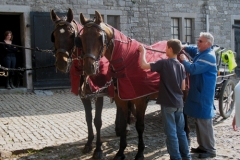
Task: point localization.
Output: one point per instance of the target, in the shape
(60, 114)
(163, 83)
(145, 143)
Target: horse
(68, 58)
(99, 39)
(65, 31)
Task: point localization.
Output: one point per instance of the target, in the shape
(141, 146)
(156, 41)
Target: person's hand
(183, 46)
(141, 48)
(235, 128)
(183, 57)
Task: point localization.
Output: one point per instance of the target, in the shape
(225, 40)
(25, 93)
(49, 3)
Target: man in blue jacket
(200, 100)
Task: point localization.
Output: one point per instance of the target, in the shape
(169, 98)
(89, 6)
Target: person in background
(170, 97)
(236, 118)
(235, 128)
(200, 101)
(8, 53)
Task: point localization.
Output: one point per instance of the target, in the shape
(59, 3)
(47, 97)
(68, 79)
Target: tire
(226, 98)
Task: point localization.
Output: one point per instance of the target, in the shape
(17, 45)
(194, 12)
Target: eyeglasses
(200, 41)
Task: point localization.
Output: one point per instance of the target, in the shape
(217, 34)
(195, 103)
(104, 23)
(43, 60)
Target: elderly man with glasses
(200, 100)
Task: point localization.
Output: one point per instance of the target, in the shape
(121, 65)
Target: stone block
(5, 154)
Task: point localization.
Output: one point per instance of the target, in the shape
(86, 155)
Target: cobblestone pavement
(34, 121)
(51, 118)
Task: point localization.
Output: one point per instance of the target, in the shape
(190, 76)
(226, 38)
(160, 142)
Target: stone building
(147, 21)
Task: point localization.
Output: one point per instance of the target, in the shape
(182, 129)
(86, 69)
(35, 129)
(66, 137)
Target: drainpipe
(207, 23)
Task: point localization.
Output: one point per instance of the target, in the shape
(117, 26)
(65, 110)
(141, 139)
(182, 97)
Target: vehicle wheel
(226, 98)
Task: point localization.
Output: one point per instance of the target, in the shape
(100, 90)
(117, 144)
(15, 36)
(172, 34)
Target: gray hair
(209, 37)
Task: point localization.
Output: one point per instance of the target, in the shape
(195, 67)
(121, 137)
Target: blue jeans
(177, 143)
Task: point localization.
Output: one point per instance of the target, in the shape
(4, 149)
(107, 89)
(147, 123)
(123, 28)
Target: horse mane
(63, 18)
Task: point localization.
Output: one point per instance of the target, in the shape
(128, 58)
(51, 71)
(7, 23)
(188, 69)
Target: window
(175, 28)
(109, 16)
(188, 30)
(111, 20)
(182, 26)
(114, 21)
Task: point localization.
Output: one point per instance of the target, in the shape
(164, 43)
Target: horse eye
(100, 37)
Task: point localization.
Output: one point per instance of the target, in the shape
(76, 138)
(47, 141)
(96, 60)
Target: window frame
(186, 27)
(174, 26)
(182, 29)
(106, 13)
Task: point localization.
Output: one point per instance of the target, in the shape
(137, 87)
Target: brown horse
(68, 57)
(98, 39)
(66, 29)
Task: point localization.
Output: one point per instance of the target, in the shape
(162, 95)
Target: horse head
(63, 35)
(96, 40)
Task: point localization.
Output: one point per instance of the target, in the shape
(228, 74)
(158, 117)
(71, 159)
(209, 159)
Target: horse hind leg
(131, 116)
(98, 153)
(186, 127)
(129, 120)
(88, 114)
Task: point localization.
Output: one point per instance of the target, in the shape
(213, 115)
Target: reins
(181, 52)
(154, 50)
(34, 49)
(5, 70)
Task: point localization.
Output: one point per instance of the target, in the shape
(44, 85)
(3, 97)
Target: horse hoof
(118, 134)
(119, 157)
(97, 155)
(139, 158)
(87, 149)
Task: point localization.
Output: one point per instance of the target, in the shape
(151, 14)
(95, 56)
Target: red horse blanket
(134, 82)
(95, 82)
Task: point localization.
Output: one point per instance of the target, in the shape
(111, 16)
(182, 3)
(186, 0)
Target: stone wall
(148, 21)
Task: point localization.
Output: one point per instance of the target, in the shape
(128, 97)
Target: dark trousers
(9, 61)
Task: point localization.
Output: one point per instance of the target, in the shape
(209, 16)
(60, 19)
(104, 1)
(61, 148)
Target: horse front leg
(141, 105)
(98, 153)
(88, 114)
(122, 107)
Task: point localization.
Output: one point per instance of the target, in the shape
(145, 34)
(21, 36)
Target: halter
(105, 41)
(69, 55)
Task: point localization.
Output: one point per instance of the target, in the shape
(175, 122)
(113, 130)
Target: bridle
(105, 41)
(61, 23)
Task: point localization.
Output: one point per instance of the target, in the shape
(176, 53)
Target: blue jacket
(203, 74)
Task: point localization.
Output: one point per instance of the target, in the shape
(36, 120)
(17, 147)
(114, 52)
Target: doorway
(12, 23)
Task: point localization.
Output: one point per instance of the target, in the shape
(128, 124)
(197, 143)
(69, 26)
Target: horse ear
(69, 15)
(54, 16)
(98, 17)
(82, 19)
